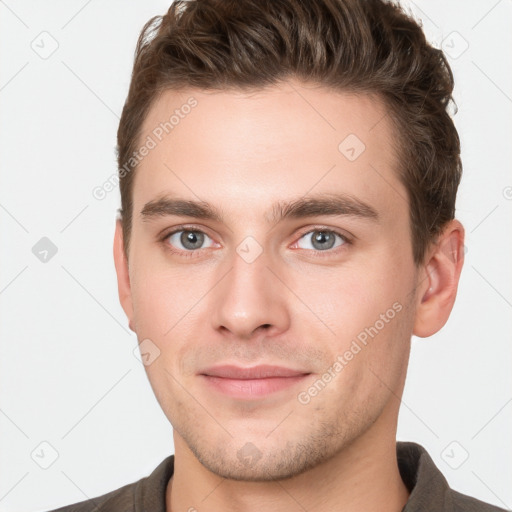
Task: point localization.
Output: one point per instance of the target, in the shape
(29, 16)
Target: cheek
(168, 304)
(162, 295)
(346, 299)
(363, 305)
(154, 304)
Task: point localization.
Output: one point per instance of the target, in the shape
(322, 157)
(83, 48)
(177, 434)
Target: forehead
(283, 141)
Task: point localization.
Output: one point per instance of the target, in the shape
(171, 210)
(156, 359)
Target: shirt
(429, 490)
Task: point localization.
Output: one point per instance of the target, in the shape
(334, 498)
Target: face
(278, 316)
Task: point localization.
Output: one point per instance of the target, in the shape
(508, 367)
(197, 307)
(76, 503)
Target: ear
(438, 280)
(123, 275)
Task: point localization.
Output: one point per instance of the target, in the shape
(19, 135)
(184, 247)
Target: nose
(250, 300)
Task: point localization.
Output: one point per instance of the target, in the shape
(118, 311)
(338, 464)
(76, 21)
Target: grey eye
(189, 240)
(322, 239)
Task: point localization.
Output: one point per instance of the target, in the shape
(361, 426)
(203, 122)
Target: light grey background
(68, 374)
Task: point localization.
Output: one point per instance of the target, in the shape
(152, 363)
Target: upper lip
(255, 372)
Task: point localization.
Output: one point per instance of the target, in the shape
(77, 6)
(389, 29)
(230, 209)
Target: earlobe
(439, 280)
(123, 275)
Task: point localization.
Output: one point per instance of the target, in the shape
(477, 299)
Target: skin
(295, 305)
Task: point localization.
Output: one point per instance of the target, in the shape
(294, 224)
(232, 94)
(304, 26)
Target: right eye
(186, 240)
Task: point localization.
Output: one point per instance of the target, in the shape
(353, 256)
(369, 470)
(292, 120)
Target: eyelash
(192, 253)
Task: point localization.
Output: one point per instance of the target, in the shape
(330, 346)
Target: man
(288, 175)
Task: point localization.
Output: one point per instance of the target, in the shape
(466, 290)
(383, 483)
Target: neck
(363, 476)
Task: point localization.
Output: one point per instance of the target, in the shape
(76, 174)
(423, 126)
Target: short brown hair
(362, 46)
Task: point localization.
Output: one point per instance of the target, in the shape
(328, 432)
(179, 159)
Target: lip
(250, 383)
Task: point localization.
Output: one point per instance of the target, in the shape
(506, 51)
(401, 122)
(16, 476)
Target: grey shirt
(428, 487)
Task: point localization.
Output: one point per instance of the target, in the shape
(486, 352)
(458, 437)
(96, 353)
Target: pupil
(322, 237)
(191, 239)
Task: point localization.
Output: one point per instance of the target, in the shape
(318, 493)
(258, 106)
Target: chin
(249, 463)
(262, 468)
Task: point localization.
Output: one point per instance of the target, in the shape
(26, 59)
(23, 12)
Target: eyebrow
(319, 205)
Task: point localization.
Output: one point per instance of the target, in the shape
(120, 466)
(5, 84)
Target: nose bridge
(250, 296)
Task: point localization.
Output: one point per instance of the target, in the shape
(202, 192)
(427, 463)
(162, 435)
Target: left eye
(322, 239)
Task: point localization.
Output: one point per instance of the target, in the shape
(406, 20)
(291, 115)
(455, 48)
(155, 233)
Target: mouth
(251, 383)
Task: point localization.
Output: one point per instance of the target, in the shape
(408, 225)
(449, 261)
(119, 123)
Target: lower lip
(245, 389)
